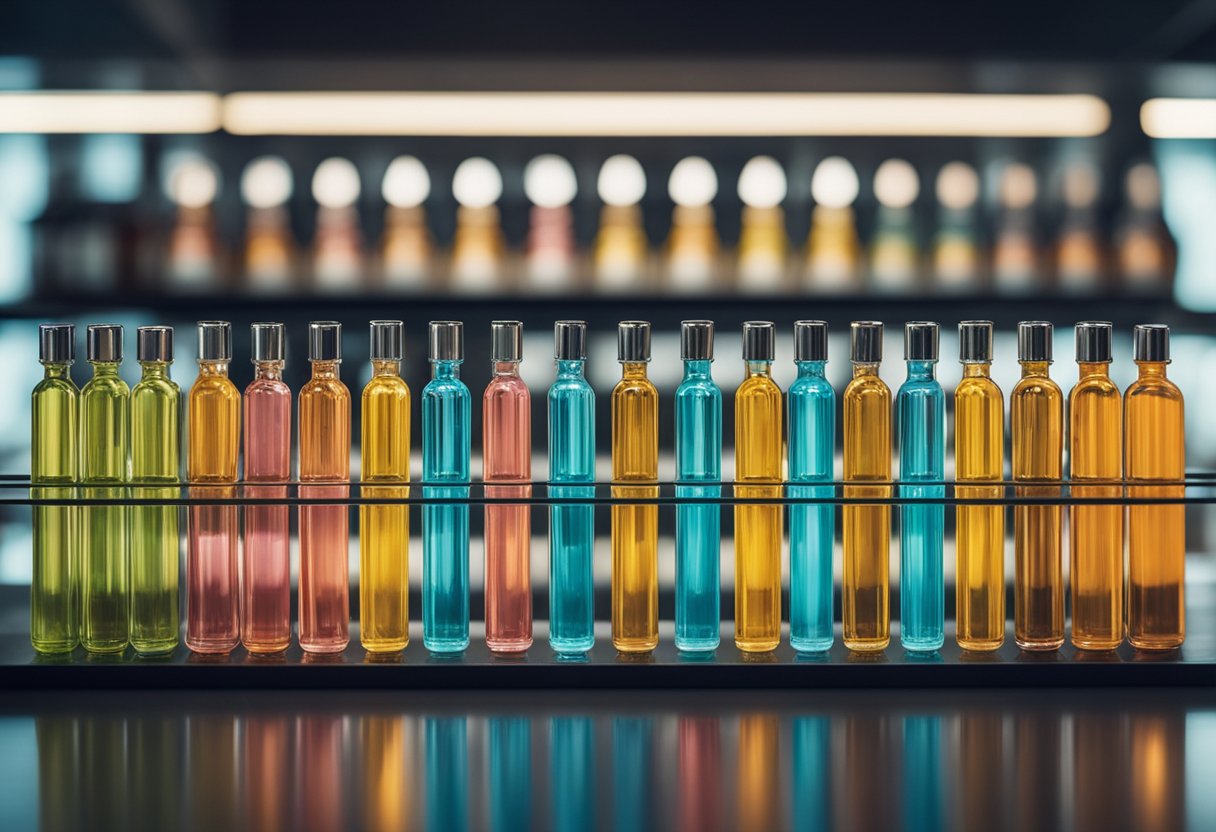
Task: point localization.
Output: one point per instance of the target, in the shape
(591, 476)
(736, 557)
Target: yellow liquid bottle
(758, 528)
(1036, 411)
(1095, 432)
(635, 473)
(979, 457)
(384, 531)
(865, 601)
(1155, 452)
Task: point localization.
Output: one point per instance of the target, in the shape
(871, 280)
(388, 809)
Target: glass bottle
(507, 463)
(635, 473)
(384, 530)
(446, 406)
(1036, 412)
(54, 469)
(812, 458)
(266, 589)
(758, 462)
(156, 458)
(865, 591)
(214, 431)
(1155, 452)
(698, 475)
(324, 591)
(1095, 412)
(105, 470)
(921, 425)
(979, 457)
(571, 476)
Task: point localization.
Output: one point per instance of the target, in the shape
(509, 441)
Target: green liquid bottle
(54, 464)
(155, 467)
(105, 413)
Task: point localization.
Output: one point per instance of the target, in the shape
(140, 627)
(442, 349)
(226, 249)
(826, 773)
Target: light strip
(1179, 118)
(661, 114)
(109, 112)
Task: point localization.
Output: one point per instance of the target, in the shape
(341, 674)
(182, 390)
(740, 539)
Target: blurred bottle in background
(266, 187)
(621, 248)
(1015, 256)
(337, 257)
(407, 246)
(833, 249)
(1143, 247)
(692, 245)
(550, 186)
(957, 260)
(477, 253)
(1079, 255)
(894, 251)
(193, 254)
(763, 244)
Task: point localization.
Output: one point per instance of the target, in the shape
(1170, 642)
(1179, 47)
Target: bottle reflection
(211, 802)
(572, 769)
(319, 772)
(1158, 771)
(866, 773)
(447, 786)
(510, 773)
(980, 757)
(811, 788)
(266, 780)
(632, 773)
(1036, 772)
(759, 772)
(923, 803)
(1100, 770)
(700, 773)
(62, 800)
(387, 776)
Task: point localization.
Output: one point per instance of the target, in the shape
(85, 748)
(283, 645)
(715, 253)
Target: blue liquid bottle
(921, 425)
(445, 474)
(812, 448)
(572, 527)
(698, 474)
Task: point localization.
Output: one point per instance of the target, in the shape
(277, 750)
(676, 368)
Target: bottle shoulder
(1036, 387)
(570, 387)
(702, 387)
(386, 387)
(867, 386)
(1100, 387)
(510, 386)
(214, 386)
(105, 386)
(56, 387)
(267, 388)
(445, 388)
(156, 388)
(635, 387)
(331, 387)
(758, 386)
(812, 386)
(917, 388)
(1159, 387)
(980, 387)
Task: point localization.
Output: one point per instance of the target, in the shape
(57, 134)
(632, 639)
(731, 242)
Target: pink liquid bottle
(266, 592)
(324, 473)
(507, 462)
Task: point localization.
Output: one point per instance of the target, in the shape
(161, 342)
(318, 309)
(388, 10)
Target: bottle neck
(105, 368)
(977, 370)
(384, 367)
(922, 370)
(445, 369)
(56, 370)
(759, 369)
(812, 369)
(155, 369)
(860, 370)
(1151, 369)
(506, 368)
(1035, 368)
(570, 369)
(633, 369)
(325, 369)
(213, 368)
(696, 368)
(268, 370)
(1088, 369)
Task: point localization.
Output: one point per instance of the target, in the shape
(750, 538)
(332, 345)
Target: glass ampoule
(571, 476)
(921, 426)
(507, 462)
(384, 530)
(324, 591)
(105, 469)
(979, 464)
(698, 475)
(266, 589)
(758, 463)
(1095, 434)
(1036, 413)
(865, 593)
(446, 406)
(635, 473)
(1155, 452)
(811, 407)
(156, 458)
(54, 469)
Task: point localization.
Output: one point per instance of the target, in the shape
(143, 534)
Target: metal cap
(696, 340)
(56, 343)
(810, 340)
(1094, 342)
(388, 340)
(633, 341)
(1151, 342)
(446, 342)
(570, 340)
(506, 341)
(975, 342)
(154, 343)
(866, 342)
(325, 341)
(103, 342)
(269, 342)
(1034, 341)
(920, 340)
(759, 340)
(214, 341)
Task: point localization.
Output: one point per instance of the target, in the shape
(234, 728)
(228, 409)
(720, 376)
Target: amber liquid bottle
(1155, 453)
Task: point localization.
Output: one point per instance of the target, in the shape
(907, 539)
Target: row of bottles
(1134, 441)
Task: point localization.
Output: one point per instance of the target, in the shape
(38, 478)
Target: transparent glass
(921, 426)
(446, 406)
(324, 591)
(758, 528)
(156, 458)
(1095, 412)
(1155, 451)
(865, 592)
(698, 527)
(635, 528)
(266, 588)
(811, 405)
(384, 531)
(1037, 419)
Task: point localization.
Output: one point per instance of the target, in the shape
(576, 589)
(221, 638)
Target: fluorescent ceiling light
(1179, 118)
(661, 114)
(109, 112)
